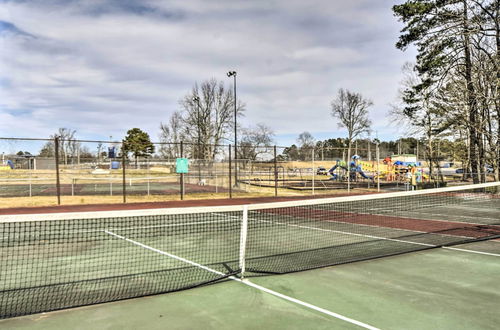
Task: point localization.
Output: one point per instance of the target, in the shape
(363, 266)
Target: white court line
(248, 283)
(457, 216)
(164, 253)
(305, 304)
(382, 238)
(414, 215)
(341, 232)
(372, 236)
(123, 228)
(172, 225)
(405, 215)
(399, 229)
(472, 251)
(474, 207)
(347, 233)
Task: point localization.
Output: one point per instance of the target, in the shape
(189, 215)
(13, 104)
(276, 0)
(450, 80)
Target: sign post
(182, 167)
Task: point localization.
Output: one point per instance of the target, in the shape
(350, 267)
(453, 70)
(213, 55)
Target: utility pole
(233, 74)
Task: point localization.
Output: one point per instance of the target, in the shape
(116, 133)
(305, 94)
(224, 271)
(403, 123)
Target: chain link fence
(59, 168)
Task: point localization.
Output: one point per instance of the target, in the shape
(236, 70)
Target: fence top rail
(187, 143)
(24, 139)
(107, 141)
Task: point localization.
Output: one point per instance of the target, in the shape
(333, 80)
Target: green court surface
(443, 288)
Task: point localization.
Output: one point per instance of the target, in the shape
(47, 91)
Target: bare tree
(47, 150)
(255, 141)
(209, 110)
(306, 144)
(206, 118)
(351, 109)
(68, 146)
(171, 134)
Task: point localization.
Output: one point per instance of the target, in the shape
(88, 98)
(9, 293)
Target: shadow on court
(438, 288)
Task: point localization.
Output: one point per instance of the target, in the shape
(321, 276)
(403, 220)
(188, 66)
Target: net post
(243, 240)
(230, 175)
(58, 179)
(124, 179)
(275, 173)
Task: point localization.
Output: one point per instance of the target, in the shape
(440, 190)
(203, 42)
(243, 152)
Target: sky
(101, 67)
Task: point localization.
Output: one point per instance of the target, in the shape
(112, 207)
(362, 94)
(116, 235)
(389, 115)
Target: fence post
(275, 173)
(230, 175)
(378, 169)
(198, 160)
(349, 168)
(124, 179)
(235, 164)
(58, 181)
(369, 151)
(313, 172)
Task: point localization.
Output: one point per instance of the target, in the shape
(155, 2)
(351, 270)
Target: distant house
(408, 158)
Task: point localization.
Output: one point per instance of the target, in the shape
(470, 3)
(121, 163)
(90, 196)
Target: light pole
(233, 74)
(197, 100)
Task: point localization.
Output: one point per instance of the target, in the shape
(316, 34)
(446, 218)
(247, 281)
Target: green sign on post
(181, 165)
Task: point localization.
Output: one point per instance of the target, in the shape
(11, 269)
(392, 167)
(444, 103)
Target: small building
(405, 158)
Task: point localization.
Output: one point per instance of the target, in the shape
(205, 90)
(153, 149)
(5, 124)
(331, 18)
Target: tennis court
(56, 261)
(103, 187)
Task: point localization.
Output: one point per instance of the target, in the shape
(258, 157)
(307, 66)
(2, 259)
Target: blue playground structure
(354, 168)
(338, 165)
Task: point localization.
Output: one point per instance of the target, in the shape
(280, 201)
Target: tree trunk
(496, 163)
(430, 161)
(430, 150)
(471, 99)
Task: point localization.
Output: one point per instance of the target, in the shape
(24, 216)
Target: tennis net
(55, 261)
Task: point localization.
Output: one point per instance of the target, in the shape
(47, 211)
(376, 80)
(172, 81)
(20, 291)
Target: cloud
(102, 67)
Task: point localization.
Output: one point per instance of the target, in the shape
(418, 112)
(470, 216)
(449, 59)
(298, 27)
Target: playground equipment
(335, 172)
(400, 171)
(355, 167)
(387, 170)
(7, 165)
